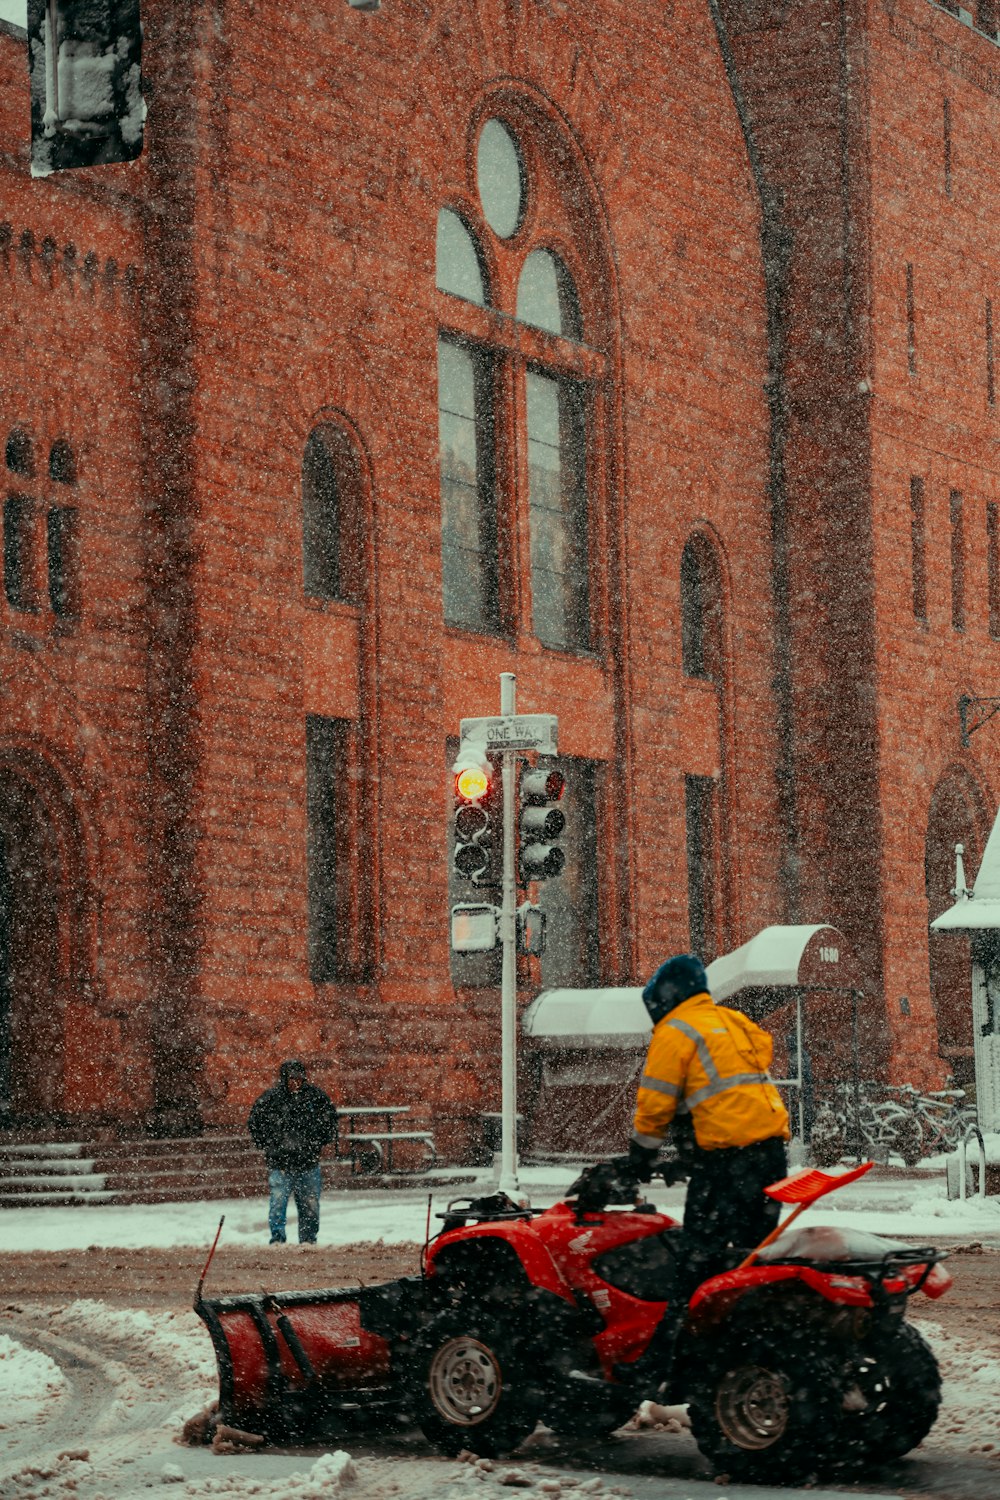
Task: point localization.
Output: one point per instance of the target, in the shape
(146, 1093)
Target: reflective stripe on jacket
(713, 1062)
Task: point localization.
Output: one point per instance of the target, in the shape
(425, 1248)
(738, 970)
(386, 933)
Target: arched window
(331, 480)
(705, 799)
(547, 297)
(40, 533)
(458, 261)
(517, 395)
(62, 464)
(20, 454)
(701, 610)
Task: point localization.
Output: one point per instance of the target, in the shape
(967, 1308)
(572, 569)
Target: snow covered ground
(915, 1206)
(92, 1397)
(105, 1465)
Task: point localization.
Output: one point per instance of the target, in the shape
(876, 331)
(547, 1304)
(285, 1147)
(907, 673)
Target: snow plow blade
(292, 1362)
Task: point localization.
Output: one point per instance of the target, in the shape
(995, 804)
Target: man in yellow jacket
(711, 1063)
(707, 1067)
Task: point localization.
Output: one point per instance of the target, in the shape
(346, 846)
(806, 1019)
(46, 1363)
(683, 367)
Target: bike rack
(973, 1130)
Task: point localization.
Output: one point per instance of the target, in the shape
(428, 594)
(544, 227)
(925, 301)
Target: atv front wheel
(468, 1387)
(766, 1408)
(894, 1402)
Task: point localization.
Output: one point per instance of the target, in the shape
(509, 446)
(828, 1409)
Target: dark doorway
(31, 992)
(5, 995)
(953, 819)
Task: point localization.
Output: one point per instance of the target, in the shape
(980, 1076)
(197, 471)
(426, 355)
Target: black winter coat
(292, 1128)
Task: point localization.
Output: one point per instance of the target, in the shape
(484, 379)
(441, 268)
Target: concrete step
(50, 1199)
(42, 1150)
(141, 1169)
(72, 1166)
(54, 1182)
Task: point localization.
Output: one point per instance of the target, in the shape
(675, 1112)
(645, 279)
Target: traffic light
(540, 824)
(477, 824)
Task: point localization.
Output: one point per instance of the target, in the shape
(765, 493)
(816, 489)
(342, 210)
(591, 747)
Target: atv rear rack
(888, 1266)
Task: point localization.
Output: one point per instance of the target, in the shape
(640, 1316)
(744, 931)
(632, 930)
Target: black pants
(726, 1206)
(726, 1203)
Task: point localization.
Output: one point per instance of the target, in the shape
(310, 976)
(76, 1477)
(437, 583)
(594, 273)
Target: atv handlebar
(616, 1183)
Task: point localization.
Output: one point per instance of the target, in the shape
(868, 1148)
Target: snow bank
(970, 1417)
(30, 1384)
(912, 1208)
(331, 1474)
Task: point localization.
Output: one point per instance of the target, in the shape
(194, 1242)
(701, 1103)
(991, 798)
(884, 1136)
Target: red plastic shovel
(804, 1189)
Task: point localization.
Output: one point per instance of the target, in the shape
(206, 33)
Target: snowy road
(103, 1419)
(93, 1392)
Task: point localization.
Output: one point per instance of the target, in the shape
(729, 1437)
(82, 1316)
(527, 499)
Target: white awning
(589, 1018)
(778, 957)
(782, 956)
(979, 908)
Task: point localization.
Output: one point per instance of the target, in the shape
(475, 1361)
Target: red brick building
(644, 350)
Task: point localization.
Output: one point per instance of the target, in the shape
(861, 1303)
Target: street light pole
(508, 1182)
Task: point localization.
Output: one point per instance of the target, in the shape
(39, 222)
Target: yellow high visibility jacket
(712, 1062)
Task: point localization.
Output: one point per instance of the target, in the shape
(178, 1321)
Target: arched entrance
(41, 901)
(956, 817)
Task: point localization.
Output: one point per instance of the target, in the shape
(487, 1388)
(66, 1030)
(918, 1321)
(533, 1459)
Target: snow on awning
(780, 957)
(589, 1018)
(777, 958)
(979, 908)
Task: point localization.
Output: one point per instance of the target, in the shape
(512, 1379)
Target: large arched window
(701, 610)
(517, 394)
(330, 515)
(705, 796)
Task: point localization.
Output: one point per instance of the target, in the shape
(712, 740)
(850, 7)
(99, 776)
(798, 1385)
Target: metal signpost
(510, 733)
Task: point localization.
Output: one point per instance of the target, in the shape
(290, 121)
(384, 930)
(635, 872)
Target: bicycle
(927, 1124)
(851, 1122)
(905, 1122)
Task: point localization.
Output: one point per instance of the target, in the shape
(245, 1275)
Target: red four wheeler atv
(793, 1361)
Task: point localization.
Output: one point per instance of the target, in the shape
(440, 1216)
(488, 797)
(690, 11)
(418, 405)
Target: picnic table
(377, 1135)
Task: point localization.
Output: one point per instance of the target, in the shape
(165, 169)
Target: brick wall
(273, 269)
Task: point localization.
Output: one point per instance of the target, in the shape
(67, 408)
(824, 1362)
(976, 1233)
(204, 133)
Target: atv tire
(767, 1407)
(468, 1384)
(901, 1384)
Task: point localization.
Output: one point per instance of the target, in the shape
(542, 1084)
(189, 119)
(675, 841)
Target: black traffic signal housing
(478, 833)
(540, 823)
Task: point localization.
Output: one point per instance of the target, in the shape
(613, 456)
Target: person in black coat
(291, 1123)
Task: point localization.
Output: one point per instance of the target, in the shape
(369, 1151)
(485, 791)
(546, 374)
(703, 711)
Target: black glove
(641, 1159)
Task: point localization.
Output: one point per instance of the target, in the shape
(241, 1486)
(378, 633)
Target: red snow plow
(794, 1360)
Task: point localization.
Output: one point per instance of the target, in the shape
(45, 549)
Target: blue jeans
(305, 1188)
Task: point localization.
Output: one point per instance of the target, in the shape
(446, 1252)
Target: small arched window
(331, 496)
(62, 464)
(459, 263)
(701, 610)
(20, 454)
(546, 296)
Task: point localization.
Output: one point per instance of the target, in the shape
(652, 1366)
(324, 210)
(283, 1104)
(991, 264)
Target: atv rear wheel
(900, 1385)
(468, 1386)
(767, 1408)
